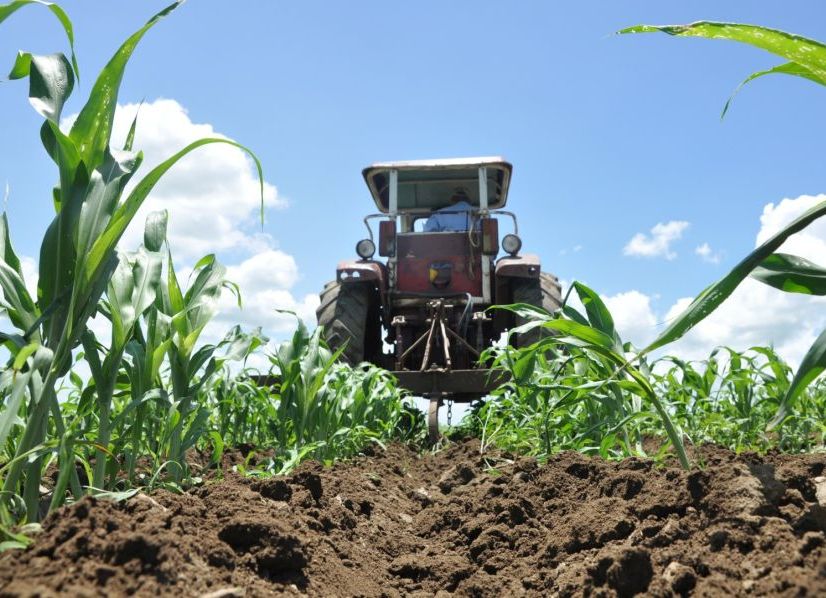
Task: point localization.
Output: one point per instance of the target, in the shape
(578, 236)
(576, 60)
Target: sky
(625, 177)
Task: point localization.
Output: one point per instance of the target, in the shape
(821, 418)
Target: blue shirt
(454, 218)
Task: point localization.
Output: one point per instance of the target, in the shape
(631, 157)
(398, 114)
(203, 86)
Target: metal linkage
(438, 328)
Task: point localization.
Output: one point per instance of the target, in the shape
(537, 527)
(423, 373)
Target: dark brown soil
(395, 524)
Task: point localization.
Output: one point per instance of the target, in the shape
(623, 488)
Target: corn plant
(598, 343)
(804, 58)
(78, 255)
(189, 313)
(565, 393)
(322, 409)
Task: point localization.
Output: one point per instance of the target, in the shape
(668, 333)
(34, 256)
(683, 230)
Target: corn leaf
(808, 53)
(812, 365)
(51, 82)
(9, 417)
(6, 10)
(792, 274)
(714, 295)
(93, 127)
(789, 68)
(154, 232)
(598, 314)
(7, 253)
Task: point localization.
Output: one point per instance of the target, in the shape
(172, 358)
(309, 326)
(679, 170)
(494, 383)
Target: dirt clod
(396, 523)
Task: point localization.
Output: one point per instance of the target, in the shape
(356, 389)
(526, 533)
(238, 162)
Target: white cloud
(658, 243)
(707, 254)
(265, 280)
(574, 249)
(212, 194)
(633, 316)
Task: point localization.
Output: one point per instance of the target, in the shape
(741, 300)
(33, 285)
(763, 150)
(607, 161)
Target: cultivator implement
(436, 350)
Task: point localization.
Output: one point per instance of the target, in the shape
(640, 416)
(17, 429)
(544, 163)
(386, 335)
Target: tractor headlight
(365, 248)
(511, 244)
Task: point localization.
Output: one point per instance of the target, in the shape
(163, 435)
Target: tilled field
(395, 523)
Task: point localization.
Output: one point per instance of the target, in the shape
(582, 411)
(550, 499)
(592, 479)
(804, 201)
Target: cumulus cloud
(707, 254)
(212, 194)
(266, 280)
(658, 242)
(633, 316)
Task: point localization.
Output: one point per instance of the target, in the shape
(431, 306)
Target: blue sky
(609, 135)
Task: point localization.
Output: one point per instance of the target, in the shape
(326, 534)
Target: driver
(455, 217)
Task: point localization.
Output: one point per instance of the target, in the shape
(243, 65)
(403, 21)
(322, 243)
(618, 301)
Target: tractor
(422, 312)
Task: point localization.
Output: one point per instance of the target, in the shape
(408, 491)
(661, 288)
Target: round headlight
(511, 244)
(365, 248)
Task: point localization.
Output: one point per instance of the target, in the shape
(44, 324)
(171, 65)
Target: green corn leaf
(19, 306)
(6, 10)
(23, 355)
(789, 68)
(174, 296)
(7, 253)
(73, 173)
(714, 295)
(101, 199)
(589, 335)
(93, 127)
(131, 291)
(203, 294)
(808, 53)
(154, 233)
(596, 310)
(50, 83)
(91, 356)
(12, 342)
(813, 364)
(130, 137)
(119, 293)
(21, 67)
(8, 417)
(792, 274)
(57, 250)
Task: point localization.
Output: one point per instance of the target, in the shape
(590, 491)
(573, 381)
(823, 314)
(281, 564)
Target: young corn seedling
(78, 253)
(620, 387)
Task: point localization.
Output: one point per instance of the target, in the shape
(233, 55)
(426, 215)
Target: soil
(396, 523)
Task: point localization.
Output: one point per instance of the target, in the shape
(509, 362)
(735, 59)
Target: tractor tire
(347, 313)
(544, 292)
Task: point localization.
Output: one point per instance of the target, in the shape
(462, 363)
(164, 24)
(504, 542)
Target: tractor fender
(366, 272)
(520, 266)
(507, 269)
(362, 271)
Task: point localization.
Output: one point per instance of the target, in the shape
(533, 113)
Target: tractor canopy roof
(426, 185)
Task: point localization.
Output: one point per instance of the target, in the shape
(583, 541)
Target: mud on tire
(349, 315)
(544, 292)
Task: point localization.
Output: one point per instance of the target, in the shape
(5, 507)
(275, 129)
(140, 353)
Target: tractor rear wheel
(544, 292)
(350, 318)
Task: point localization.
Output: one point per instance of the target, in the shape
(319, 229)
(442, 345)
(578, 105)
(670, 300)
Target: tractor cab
(456, 261)
(421, 309)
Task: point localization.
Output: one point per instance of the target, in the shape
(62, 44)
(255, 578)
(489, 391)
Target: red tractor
(422, 313)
